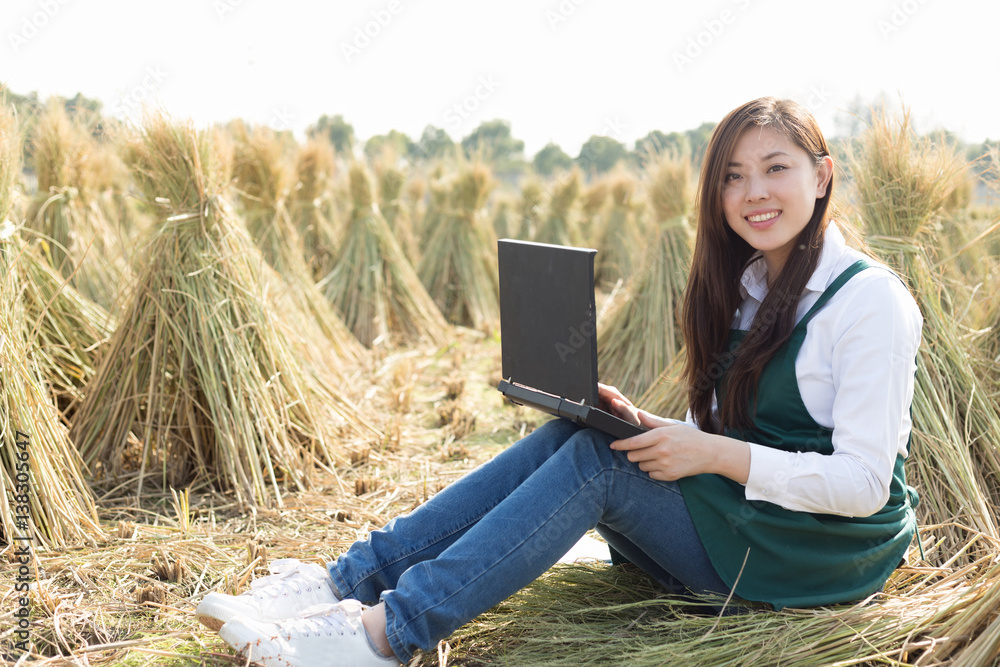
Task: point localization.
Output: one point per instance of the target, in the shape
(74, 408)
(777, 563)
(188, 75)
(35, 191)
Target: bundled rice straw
(532, 195)
(312, 208)
(390, 190)
(43, 495)
(262, 179)
(67, 212)
(415, 194)
(620, 239)
(902, 185)
(640, 333)
(504, 222)
(593, 200)
(437, 210)
(372, 284)
(599, 615)
(458, 266)
(68, 330)
(561, 223)
(201, 372)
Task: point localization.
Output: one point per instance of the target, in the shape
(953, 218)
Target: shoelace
(281, 569)
(325, 619)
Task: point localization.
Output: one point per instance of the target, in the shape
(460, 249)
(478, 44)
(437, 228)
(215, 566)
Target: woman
(790, 491)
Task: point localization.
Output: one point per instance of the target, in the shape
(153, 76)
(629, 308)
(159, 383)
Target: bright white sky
(558, 70)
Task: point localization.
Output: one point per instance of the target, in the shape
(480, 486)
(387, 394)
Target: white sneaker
(323, 636)
(292, 587)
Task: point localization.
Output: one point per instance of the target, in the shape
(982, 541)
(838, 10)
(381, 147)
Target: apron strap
(834, 287)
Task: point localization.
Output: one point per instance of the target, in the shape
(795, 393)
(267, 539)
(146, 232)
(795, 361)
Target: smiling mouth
(763, 217)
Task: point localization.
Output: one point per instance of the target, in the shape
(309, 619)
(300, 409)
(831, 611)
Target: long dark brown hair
(720, 256)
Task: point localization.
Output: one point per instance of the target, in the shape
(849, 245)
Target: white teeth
(762, 217)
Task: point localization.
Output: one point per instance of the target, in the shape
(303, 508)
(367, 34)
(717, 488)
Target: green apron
(796, 559)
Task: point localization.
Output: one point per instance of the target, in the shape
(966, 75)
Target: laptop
(548, 333)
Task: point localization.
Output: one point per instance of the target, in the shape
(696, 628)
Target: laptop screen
(548, 320)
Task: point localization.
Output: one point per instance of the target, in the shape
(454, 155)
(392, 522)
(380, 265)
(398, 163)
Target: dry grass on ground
(130, 601)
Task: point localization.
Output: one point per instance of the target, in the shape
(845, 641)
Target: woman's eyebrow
(769, 156)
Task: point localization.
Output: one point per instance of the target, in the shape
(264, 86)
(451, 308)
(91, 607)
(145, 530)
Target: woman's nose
(756, 189)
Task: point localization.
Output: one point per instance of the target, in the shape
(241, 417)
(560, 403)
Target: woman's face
(769, 192)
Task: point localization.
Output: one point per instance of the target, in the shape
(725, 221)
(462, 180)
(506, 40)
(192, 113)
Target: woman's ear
(824, 172)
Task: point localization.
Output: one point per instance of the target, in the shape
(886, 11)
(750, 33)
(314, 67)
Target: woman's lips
(763, 219)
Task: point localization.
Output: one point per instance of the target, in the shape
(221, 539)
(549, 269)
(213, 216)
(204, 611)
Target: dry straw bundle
(43, 495)
(504, 221)
(68, 213)
(561, 225)
(200, 374)
(599, 615)
(436, 211)
(530, 209)
(390, 196)
(262, 180)
(620, 239)
(593, 201)
(903, 182)
(373, 285)
(640, 333)
(312, 207)
(67, 330)
(458, 266)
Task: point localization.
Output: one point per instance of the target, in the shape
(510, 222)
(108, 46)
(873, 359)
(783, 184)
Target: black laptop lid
(548, 320)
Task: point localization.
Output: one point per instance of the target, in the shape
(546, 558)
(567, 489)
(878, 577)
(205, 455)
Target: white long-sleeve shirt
(855, 372)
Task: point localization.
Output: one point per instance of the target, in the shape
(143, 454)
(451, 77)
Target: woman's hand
(613, 401)
(669, 451)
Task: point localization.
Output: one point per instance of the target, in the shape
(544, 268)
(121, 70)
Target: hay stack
(458, 266)
(437, 210)
(262, 179)
(593, 201)
(504, 220)
(67, 212)
(372, 284)
(902, 184)
(312, 207)
(620, 238)
(68, 330)
(640, 333)
(575, 615)
(415, 196)
(43, 496)
(532, 198)
(201, 379)
(390, 196)
(561, 224)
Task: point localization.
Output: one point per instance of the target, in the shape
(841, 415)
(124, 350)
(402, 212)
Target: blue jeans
(501, 526)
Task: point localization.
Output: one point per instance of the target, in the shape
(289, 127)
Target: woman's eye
(730, 177)
(777, 167)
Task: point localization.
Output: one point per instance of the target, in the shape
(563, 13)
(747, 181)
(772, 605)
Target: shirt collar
(753, 282)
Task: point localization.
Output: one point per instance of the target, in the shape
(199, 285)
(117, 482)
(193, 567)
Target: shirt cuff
(769, 474)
